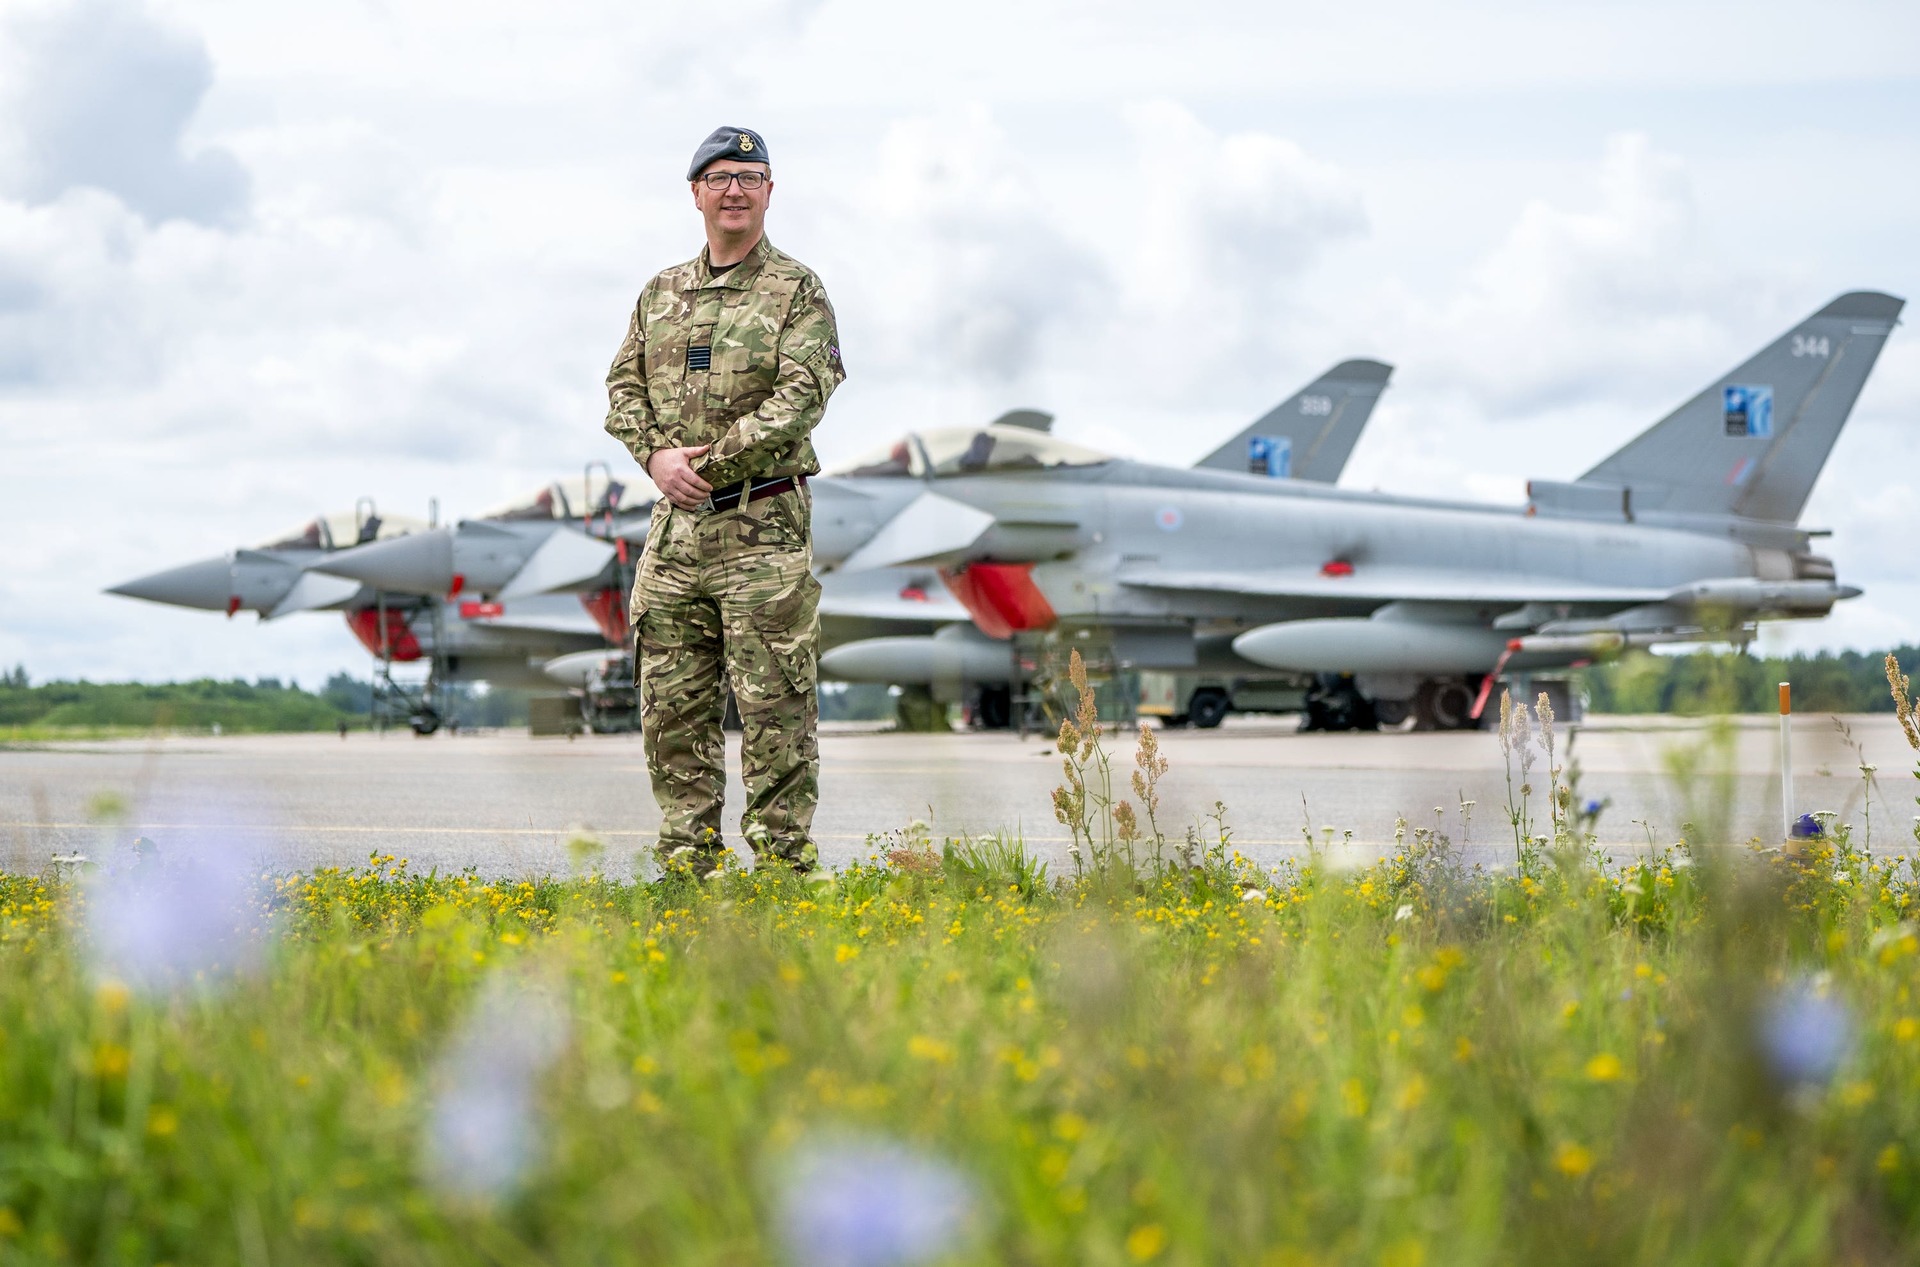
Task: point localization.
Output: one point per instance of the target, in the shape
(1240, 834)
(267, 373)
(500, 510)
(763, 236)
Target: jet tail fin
(1753, 442)
(1310, 434)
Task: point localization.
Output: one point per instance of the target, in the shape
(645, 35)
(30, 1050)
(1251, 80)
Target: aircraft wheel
(994, 708)
(1335, 704)
(1208, 707)
(424, 721)
(1445, 704)
(1392, 712)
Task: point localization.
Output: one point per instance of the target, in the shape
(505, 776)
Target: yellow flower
(1353, 1098)
(1605, 1067)
(112, 996)
(162, 1121)
(1407, 1253)
(1573, 1160)
(1146, 1241)
(110, 1060)
(920, 1047)
(1906, 1029)
(1889, 1159)
(843, 952)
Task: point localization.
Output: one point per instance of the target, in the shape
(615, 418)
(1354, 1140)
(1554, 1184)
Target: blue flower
(853, 1201)
(1805, 1034)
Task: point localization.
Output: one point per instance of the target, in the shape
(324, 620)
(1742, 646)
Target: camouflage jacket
(744, 361)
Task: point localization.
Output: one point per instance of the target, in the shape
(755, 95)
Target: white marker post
(1786, 761)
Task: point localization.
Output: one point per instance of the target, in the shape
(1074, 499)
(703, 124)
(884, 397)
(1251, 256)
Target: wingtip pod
(1864, 305)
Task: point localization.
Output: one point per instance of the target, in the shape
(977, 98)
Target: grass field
(947, 1056)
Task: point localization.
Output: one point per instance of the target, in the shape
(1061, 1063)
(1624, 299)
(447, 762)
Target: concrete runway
(508, 804)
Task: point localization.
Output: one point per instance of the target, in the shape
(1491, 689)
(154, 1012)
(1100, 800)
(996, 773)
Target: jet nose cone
(207, 585)
(420, 563)
(1850, 591)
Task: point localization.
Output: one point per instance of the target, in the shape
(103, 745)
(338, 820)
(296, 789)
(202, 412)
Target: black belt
(736, 495)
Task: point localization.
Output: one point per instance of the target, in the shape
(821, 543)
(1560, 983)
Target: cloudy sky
(257, 261)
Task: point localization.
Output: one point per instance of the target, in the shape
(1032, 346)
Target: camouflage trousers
(730, 593)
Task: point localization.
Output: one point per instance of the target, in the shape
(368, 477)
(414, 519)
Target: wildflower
(1146, 1241)
(1605, 1067)
(1805, 1033)
(157, 925)
(854, 1201)
(1573, 1160)
(1254, 895)
(920, 1047)
(481, 1126)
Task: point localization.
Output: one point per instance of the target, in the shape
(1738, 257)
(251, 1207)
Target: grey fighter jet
(900, 626)
(275, 578)
(470, 638)
(1688, 532)
(566, 537)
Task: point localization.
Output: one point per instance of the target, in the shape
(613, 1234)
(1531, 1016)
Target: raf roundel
(1169, 519)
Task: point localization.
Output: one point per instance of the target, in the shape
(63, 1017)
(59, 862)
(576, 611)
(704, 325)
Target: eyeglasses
(749, 181)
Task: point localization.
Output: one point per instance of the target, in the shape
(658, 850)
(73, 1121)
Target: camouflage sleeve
(630, 417)
(809, 370)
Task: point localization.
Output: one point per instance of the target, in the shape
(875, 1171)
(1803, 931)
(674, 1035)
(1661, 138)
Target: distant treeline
(1729, 682)
(256, 707)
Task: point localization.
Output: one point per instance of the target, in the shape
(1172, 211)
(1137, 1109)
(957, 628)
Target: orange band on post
(1786, 698)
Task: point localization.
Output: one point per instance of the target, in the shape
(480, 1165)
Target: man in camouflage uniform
(725, 371)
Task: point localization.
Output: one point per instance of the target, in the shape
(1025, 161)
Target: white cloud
(98, 93)
(391, 253)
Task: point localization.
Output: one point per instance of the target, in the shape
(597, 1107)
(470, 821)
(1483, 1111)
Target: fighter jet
(470, 638)
(1308, 437)
(275, 578)
(1688, 532)
(569, 536)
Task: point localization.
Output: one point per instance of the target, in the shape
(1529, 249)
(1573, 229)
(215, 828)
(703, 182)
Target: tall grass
(1709, 1054)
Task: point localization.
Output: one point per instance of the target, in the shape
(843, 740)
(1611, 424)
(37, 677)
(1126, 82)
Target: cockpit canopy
(342, 529)
(948, 451)
(574, 499)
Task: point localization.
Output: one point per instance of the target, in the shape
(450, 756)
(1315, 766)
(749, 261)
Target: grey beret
(741, 143)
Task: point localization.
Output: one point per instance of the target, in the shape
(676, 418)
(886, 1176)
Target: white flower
(1403, 912)
(1254, 895)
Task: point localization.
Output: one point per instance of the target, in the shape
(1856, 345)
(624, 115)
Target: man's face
(732, 211)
